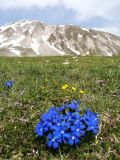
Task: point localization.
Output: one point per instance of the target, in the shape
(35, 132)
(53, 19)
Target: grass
(38, 86)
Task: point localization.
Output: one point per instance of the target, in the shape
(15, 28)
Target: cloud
(114, 30)
(8, 4)
(84, 10)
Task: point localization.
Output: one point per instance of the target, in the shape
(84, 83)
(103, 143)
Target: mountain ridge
(35, 38)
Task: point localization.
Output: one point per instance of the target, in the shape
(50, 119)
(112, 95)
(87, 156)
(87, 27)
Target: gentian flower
(73, 105)
(53, 141)
(92, 124)
(61, 131)
(50, 115)
(39, 130)
(75, 116)
(9, 83)
(91, 120)
(61, 108)
(77, 130)
(73, 140)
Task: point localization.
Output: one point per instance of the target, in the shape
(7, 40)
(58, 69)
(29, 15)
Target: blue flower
(61, 131)
(78, 129)
(91, 120)
(73, 140)
(50, 115)
(9, 83)
(92, 124)
(73, 105)
(52, 110)
(53, 141)
(75, 116)
(61, 108)
(41, 128)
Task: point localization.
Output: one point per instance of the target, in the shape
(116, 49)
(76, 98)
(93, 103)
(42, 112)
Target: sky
(97, 14)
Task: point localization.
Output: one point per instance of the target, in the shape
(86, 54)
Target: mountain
(33, 38)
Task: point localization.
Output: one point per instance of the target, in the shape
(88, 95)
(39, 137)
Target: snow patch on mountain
(2, 38)
(61, 26)
(85, 29)
(15, 51)
(45, 37)
(35, 46)
(54, 48)
(80, 36)
(94, 36)
(72, 49)
(13, 42)
(31, 30)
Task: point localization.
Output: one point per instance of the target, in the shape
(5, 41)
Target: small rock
(101, 82)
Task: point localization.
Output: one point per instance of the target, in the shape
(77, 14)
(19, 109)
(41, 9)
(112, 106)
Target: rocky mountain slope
(33, 38)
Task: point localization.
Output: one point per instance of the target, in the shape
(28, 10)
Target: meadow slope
(37, 86)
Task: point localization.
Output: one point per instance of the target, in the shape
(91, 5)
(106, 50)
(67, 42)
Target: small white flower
(74, 57)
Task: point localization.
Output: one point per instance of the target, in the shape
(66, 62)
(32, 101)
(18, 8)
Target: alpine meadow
(37, 83)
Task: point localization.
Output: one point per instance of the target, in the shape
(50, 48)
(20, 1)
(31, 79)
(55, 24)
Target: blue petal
(67, 135)
(59, 140)
(73, 128)
(82, 133)
(45, 129)
(64, 140)
(89, 128)
(77, 134)
(49, 143)
(76, 141)
(63, 124)
(55, 145)
(55, 133)
(57, 136)
(56, 128)
(49, 136)
(40, 134)
(95, 131)
(81, 126)
(71, 142)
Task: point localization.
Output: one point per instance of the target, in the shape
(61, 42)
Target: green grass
(38, 86)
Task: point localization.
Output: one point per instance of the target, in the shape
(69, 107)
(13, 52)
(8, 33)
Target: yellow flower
(74, 89)
(65, 86)
(82, 92)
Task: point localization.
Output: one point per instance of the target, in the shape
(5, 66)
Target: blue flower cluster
(65, 125)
